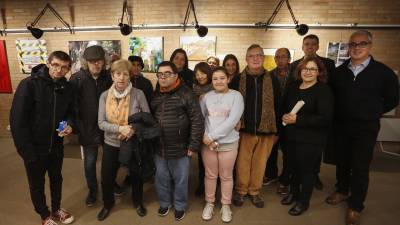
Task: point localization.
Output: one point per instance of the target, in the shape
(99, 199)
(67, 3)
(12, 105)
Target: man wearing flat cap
(92, 80)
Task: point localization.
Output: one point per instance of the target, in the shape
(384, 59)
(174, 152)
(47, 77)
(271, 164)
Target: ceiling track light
(201, 30)
(301, 29)
(125, 29)
(38, 33)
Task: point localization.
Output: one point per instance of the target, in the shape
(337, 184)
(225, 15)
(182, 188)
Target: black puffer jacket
(38, 106)
(179, 115)
(88, 91)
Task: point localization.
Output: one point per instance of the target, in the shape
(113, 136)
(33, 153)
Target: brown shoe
(352, 217)
(335, 198)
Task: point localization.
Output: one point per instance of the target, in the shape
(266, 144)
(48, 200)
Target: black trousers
(109, 168)
(137, 188)
(302, 160)
(36, 171)
(354, 143)
(271, 169)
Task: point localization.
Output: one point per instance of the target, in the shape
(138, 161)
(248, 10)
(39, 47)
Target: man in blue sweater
(364, 89)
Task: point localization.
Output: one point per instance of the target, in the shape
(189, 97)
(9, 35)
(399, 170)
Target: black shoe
(257, 201)
(318, 184)
(298, 209)
(288, 199)
(199, 191)
(238, 199)
(179, 214)
(118, 190)
(103, 214)
(91, 199)
(163, 211)
(141, 210)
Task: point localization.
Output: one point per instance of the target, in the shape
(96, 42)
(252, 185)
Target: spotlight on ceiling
(125, 29)
(301, 29)
(38, 33)
(201, 30)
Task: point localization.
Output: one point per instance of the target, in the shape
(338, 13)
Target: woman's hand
(126, 132)
(206, 140)
(289, 118)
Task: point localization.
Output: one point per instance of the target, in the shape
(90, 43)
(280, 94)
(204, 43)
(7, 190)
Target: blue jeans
(89, 163)
(172, 181)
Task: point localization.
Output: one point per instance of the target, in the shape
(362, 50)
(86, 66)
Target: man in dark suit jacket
(310, 47)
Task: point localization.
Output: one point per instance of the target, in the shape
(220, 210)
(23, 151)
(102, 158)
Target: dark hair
(61, 56)
(180, 50)
(135, 58)
(311, 36)
(233, 57)
(221, 68)
(287, 51)
(213, 57)
(168, 63)
(204, 68)
(322, 74)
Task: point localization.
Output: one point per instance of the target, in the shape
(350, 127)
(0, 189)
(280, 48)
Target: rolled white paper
(296, 108)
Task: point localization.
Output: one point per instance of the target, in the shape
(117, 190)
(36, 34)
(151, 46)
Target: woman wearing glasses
(306, 131)
(115, 106)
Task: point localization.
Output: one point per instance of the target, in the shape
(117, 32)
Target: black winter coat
(38, 106)
(144, 84)
(88, 91)
(182, 124)
(137, 153)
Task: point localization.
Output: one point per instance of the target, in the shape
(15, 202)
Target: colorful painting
(150, 49)
(5, 80)
(269, 61)
(338, 52)
(76, 49)
(30, 54)
(198, 48)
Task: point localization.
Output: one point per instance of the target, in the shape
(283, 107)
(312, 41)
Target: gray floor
(383, 202)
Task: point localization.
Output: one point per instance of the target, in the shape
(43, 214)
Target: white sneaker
(208, 211)
(226, 213)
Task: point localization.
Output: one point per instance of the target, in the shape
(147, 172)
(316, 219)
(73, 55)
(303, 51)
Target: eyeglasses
(310, 70)
(362, 44)
(166, 74)
(58, 67)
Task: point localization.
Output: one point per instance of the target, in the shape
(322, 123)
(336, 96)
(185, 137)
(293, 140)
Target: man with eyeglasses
(259, 126)
(41, 102)
(89, 82)
(178, 112)
(281, 72)
(310, 47)
(364, 89)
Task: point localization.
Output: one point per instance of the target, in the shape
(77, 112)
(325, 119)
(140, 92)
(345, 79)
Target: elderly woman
(115, 106)
(307, 131)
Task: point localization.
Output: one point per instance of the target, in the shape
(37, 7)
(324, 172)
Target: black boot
(298, 209)
(103, 214)
(288, 199)
(141, 210)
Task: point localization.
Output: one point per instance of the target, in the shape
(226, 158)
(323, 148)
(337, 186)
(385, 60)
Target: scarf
(117, 105)
(268, 121)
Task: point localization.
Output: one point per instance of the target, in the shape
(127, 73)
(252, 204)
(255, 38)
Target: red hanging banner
(5, 80)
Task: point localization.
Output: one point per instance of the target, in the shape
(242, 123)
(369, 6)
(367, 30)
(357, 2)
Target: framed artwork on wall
(76, 49)
(338, 52)
(269, 61)
(197, 48)
(151, 49)
(30, 54)
(5, 80)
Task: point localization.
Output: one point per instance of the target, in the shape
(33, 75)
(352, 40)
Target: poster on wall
(269, 61)
(31, 53)
(5, 80)
(197, 48)
(76, 49)
(338, 52)
(150, 49)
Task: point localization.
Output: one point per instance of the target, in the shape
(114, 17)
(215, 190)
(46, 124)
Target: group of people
(235, 121)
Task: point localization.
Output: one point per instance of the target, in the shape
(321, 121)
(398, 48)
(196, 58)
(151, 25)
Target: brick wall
(99, 12)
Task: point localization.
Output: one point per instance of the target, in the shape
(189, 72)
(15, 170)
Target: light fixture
(201, 30)
(301, 29)
(125, 29)
(38, 33)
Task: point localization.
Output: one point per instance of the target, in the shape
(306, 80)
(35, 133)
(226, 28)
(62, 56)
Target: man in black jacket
(92, 80)
(137, 78)
(178, 112)
(364, 89)
(40, 103)
(310, 47)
